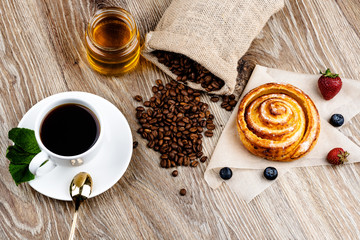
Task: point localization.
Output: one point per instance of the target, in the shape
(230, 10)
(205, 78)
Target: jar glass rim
(104, 12)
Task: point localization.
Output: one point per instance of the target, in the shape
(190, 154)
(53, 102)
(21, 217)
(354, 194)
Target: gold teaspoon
(80, 190)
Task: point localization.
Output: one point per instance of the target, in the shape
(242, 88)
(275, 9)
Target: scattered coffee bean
(182, 192)
(135, 144)
(138, 98)
(214, 99)
(209, 133)
(175, 173)
(173, 124)
(203, 159)
(210, 126)
(159, 82)
(163, 163)
(154, 89)
(194, 164)
(225, 173)
(147, 104)
(189, 70)
(140, 109)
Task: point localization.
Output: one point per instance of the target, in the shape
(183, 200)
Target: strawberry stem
(329, 74)
(343, 156)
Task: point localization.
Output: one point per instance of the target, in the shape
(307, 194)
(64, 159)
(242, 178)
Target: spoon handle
(73, 226)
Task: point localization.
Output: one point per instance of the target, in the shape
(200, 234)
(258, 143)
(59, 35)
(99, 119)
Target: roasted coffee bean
(224, 104)
(194, 164)
(210, 126)
(151, 144)
(186, 161)
(154, 89)
(175, 173)
(193, 129)
(214, 99)
(182, 192)
(180, 161)
(140, 109)
(138, 98)
(203, 159)
(209, 133)
(232, 103)
(191, 71)
(138, 115)
(192, 156)
(159, 82)
(163, 163)
(135, 144)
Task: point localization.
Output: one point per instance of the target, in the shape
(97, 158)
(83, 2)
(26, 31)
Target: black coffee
(69, 129)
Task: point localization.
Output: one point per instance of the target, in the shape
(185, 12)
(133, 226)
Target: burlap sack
(214, 33)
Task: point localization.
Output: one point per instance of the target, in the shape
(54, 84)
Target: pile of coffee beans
(173, 121)
(228, 102)
(188, 70)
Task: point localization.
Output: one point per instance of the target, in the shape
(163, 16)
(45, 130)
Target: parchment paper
(248, 181)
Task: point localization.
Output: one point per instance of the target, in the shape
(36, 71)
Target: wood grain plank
(42, 53)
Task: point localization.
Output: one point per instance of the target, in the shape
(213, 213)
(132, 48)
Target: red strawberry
(337, 156)
(329, 84)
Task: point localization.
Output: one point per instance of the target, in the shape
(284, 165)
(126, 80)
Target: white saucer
(109, 164)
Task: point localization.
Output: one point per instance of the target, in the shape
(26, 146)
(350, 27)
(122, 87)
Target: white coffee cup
(37, 165)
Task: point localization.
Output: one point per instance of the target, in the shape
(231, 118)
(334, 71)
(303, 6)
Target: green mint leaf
(17, 155)
(20, 173)
(25, 139)
(21, 153)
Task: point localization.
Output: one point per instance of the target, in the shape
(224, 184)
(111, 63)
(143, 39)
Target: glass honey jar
(112, 41)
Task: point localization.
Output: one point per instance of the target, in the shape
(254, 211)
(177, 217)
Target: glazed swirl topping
(278, 122)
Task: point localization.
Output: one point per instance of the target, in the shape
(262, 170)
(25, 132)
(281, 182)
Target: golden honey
(112, 41)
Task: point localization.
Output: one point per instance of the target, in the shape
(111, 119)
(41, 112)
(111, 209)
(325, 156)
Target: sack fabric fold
(214, 33)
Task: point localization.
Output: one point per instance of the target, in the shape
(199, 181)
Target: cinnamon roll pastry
(278, 122)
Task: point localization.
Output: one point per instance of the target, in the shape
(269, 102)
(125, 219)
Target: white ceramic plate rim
(120, 132)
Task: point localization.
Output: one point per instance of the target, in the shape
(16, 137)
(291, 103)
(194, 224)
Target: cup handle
(36, 166)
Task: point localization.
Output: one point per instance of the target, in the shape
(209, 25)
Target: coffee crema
(69, 129)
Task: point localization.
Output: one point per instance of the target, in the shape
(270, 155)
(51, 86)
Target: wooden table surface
(42, 53)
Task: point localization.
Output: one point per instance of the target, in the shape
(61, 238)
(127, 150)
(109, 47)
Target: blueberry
(225, 173)
(270, 173)
(337, 120)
